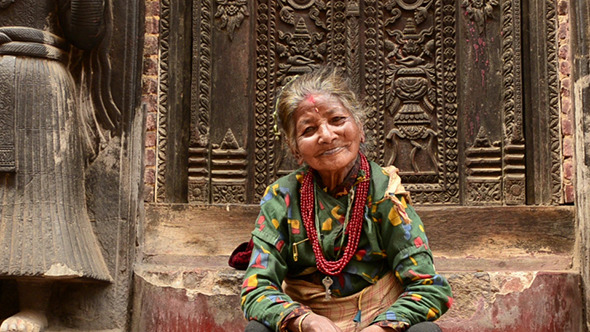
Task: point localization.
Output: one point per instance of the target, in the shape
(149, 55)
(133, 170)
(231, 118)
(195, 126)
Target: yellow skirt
(371, 301)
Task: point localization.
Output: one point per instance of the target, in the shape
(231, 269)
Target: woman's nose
(326, 134)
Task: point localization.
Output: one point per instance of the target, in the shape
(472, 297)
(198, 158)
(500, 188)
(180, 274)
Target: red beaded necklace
(353, 229)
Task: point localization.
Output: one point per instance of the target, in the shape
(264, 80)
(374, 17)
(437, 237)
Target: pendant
(327, 281)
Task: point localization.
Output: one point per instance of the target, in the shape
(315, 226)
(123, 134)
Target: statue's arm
(83, 21)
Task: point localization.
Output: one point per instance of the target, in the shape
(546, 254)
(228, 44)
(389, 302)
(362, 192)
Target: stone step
(510, 268)
(172, 299)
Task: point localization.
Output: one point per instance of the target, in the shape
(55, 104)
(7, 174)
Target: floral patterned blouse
(387, 243)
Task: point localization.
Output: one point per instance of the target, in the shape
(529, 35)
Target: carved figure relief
(293, 37)
(301, 50)
(411, 101)
(60, 119)
(413, 108)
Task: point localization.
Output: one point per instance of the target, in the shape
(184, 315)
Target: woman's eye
(338, 119)
(307, 130)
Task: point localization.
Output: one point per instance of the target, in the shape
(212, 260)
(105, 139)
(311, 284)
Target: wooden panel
(491, 103)
(442, 81)
(541, 98)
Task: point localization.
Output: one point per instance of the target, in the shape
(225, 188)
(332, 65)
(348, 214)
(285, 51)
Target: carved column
(491, 90)
(541, 102)
(220, 120)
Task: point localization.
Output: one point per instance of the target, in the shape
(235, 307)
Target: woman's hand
(314, 323)
(375, 328)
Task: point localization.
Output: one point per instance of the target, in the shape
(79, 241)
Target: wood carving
(231, 14)
(402, 57)
(163, 102)
(479, 11)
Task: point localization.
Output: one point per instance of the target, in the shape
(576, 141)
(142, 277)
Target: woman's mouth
(332, 151)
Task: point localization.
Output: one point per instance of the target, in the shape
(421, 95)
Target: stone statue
(56, 111)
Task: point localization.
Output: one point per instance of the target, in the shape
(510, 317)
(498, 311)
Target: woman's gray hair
(325, 80)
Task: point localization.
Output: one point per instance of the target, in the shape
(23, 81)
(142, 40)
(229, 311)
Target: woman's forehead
(308, 112)
(316, 99)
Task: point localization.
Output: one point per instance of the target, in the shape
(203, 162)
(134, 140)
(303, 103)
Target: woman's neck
(342, 180)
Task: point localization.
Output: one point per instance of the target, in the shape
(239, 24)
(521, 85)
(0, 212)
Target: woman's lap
(424, 327)
(255, 326)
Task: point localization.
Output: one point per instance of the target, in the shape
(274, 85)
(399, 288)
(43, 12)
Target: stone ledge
(453, 231)
(168, 298)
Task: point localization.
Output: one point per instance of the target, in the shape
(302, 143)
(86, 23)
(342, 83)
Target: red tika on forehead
(310, 98)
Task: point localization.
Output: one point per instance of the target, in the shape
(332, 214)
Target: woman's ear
(298, 159)
(296, 154)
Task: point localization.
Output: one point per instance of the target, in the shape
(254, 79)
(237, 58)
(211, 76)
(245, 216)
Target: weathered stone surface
(187, 300)
(515, 301)
(511, 270)
(581, 92)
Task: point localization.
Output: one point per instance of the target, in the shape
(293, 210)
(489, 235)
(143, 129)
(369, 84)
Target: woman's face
(327, 137)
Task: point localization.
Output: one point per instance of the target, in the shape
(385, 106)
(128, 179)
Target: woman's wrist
(393, 325)
(300, 323)
(293, 321)
(290, 321)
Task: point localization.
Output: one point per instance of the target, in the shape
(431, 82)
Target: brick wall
(150, 93)
(567, 120)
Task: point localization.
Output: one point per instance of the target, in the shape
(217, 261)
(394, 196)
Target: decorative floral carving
(479, 10)
(481, 193)
(198, 159)
(514, 147)
(231, 13)
(225, 194)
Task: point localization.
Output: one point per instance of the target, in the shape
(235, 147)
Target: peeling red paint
(167, 309)
(552, 302)
(507, 302)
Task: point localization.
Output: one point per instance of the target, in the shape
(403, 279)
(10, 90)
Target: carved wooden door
(442, 81)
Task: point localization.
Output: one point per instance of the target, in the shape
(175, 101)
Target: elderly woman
(337, 247)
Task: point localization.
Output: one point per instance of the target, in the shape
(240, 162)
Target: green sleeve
(262, 296)
(427, 295)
